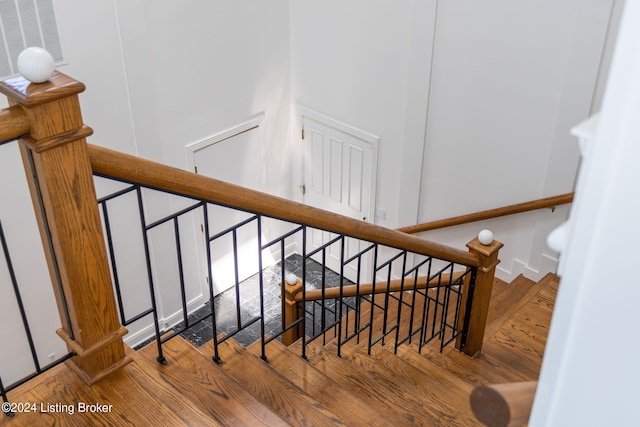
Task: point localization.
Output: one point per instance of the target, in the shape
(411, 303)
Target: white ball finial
(35, 64)
(291, 279)
(485, 237)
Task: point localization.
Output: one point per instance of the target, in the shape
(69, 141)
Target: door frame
(255, 122)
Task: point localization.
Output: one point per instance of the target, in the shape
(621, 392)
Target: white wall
(349, 62)
(507, 104)
(472, 102)
(160, 76)
(590, 371)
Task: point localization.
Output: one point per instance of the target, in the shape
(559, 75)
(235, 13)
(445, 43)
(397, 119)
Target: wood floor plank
(127, 403)
(383, 385)
(520, 340)
(351, 408)
(441, 396)
(508, 302)
(289, 401)
(483, 369)
(197, 377)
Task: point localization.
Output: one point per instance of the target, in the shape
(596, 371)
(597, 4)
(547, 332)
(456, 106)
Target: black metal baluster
(16, 291)
(154, 309)
(385, 315)
(445, 313)
(212, 305)
(425, 310)
(401, 302)
(112, 259)
(283, 280)
(339, 302)
(436, 304)
(304, 291)
(458, 302)
(236, 275)
(183, 292)
(373, 305)
(467, 311)
(356, 322)
(261, 285)
(5, 408)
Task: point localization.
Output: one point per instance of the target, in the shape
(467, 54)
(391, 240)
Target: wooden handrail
(408, 284)
(133, 169)
(502, 405)
(13, 123)
(547, 202)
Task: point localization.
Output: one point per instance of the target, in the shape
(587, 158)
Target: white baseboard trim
(507, 274)
(166, 323)
(547, 264)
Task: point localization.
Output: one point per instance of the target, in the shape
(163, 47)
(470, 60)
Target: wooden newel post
(292, 311)
(470, 342)
(61, 182)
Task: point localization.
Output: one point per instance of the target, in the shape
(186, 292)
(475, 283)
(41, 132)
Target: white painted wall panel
(335, 173)
(508, 79)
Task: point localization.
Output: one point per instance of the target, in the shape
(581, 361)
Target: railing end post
(60, 178)
(486, 249)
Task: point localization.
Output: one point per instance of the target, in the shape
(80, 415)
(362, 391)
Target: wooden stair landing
(357, 389)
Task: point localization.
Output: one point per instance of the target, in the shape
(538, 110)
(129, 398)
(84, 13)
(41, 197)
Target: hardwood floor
(411, 388)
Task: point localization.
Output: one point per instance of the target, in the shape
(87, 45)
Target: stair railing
(546, 202)
(60, 167)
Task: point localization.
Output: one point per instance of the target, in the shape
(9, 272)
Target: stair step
(519, 341)
(131, 395)
(349, 406)
(346, 375)
(507, 299)
(482, 369)
(435, 387)
(390, 384)
(202, 382)
(256, 376)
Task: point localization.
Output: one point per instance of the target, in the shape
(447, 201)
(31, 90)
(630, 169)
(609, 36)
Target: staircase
(382, 388)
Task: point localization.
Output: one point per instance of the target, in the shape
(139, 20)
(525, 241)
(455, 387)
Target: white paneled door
(340, 165)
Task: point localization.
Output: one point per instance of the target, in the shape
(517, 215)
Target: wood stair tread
(199, 379)
(131, 395)
(519, 341)
(387, 382)
(509, 299)
(290, 402)
(354, 410)
(445, 395)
